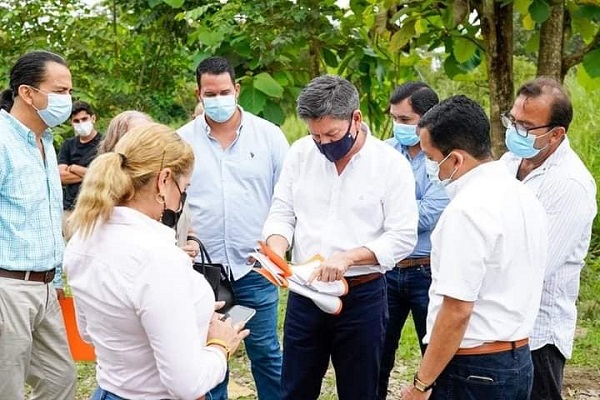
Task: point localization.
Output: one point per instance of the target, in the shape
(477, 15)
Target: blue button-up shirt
(431, 199)
(231, 189)
(30, 201)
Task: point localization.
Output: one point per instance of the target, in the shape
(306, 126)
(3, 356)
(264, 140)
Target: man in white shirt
(487, 262)
(349, 197)
(541, 157)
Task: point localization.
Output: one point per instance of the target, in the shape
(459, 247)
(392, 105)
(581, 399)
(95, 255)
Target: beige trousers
(33, 344)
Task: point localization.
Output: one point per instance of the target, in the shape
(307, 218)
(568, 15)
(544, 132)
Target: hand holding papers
(295, 277)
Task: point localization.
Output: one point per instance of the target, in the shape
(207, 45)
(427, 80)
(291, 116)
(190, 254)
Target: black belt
(43, 276)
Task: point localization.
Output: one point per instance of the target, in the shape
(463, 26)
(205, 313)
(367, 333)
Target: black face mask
(169, 217)
(335, 151)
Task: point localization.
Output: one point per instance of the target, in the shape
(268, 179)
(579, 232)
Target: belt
(360, 279)
(492, 347)
(413, 262)
(44, 276)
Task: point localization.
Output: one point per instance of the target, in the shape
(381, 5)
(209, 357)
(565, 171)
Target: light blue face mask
(219, 108)
(405, 134)
(522, 146)
(433, 171)
(58, 109)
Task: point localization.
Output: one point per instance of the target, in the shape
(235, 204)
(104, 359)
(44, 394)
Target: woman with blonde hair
(149, 315)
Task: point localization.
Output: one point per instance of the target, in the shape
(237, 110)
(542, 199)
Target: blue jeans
(262, 345)
(353, 340)
(101, 394)
(407, 291)
(499, 376)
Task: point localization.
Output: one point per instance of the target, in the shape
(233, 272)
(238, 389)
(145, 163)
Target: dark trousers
(353, 340)
(500, 376)
(548, 368)
(407, 292)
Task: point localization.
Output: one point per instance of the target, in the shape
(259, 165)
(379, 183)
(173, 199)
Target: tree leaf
(583, 78)
(591, 63)
(330, 58)
(539, 10)
(269, 86)
(403, 36)
(273, 112)
(528, 22)
(252, 99)
(522, 6)
(175, 3)
(451, 66)
(463, 49)
(585, 27)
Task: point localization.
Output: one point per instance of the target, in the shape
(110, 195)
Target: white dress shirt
(567, 191)
(371, 204)
(144, 308)
(489, 247)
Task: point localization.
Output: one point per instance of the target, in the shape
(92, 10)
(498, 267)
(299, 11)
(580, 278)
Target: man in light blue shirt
(238, 160)
(408, 283)
(33, 345)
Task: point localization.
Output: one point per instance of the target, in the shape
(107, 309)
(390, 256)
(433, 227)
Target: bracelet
(420, 385)
(222, 344)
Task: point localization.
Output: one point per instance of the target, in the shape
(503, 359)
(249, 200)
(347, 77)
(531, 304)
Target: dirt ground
(582, 383)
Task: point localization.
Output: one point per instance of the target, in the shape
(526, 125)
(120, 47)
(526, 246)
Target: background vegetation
(141, 54)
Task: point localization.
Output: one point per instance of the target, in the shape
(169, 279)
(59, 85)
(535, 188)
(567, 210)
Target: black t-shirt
(73, 151)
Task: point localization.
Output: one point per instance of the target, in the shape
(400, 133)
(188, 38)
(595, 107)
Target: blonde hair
(114, 178)
(118, 127)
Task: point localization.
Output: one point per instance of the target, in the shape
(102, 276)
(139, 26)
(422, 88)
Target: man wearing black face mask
(350, 198)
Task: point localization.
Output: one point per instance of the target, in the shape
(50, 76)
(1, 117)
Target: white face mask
(58, 109)
(433, 171)
(83, 129)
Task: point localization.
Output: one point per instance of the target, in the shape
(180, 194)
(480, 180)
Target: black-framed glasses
(508, 121)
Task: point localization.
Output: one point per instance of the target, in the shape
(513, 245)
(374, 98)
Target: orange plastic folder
(325, 295)
(80, 350)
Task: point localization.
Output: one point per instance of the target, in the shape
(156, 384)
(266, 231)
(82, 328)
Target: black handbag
(216, 277)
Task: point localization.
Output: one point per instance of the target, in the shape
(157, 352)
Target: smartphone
(239, 314)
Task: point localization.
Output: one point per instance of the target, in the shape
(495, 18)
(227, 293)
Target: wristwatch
(222, 344)
(420, 385)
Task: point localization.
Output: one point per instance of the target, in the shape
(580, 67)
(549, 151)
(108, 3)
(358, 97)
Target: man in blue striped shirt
(33, 346)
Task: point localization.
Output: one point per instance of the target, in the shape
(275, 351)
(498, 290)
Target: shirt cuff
(384, 256)
(279, 228)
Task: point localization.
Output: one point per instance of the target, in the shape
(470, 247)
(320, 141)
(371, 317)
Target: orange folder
(80, 350)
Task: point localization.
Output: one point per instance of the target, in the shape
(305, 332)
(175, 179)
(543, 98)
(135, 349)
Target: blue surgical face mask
(522, 146)
(406, 135)
(433, 171)
(58, 109)
(219, 108)
(335, 151)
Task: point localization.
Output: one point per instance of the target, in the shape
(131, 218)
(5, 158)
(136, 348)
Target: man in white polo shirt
(487, 262)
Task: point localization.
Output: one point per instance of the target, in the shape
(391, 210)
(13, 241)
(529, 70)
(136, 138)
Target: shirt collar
(128, 216)
(22, 130)
(456, 186)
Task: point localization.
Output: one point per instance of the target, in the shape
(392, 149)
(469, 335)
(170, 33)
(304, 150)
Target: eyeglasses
(508, 121)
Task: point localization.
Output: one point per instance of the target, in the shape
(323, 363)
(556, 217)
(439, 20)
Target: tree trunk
(551, 43)
(497, 30)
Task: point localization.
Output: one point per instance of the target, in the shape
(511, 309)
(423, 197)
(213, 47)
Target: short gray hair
(328, 95)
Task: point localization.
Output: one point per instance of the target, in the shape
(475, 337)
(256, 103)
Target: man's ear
(93, 118)
(25, 92)
(198, 94)
(237, 91)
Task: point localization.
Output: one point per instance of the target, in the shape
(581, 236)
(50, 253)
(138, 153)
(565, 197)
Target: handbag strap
(204, 257)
